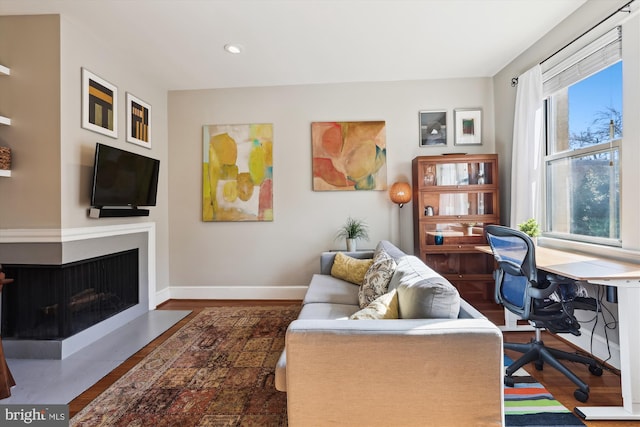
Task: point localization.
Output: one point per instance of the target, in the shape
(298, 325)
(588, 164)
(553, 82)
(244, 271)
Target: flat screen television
(122, 178)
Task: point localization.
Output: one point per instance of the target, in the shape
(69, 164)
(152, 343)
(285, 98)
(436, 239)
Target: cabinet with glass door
(455, 197)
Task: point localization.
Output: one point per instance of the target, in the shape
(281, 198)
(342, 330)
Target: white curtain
(528, 144)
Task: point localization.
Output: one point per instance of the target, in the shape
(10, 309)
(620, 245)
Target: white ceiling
(180, 42)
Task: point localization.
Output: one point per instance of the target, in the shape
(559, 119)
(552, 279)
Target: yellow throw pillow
(349, 268)
(383, 307)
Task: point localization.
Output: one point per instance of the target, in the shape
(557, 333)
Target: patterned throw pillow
(350, 269)
(383, 307)
(376, 279)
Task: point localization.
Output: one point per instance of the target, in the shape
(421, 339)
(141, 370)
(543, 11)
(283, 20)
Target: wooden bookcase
(454, 197)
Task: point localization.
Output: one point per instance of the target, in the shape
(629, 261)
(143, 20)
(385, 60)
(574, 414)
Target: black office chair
(547, 304)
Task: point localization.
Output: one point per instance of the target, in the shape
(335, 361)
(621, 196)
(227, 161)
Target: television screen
(122, 178)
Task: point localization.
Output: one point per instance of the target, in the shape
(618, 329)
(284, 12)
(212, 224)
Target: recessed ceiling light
(233, 48)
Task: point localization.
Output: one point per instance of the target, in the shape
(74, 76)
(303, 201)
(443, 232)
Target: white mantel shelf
(5, 121)
(4, 172)
(4, 70)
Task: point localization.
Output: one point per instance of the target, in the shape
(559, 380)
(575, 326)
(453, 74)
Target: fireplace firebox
(52, 302)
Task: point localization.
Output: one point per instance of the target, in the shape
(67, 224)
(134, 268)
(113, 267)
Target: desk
(626, 278)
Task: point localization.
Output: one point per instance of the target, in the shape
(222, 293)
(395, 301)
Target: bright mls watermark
(34, 415)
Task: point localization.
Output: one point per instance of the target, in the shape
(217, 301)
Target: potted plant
(352, 230)
(531, 228)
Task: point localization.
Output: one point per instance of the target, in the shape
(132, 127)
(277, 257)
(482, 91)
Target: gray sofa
(398, 372)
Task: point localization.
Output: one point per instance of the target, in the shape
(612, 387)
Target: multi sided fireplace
(54, 302)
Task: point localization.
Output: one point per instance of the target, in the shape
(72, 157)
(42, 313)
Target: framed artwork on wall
(433, 128)
(138, 121)
(349, 156)
(99, 105)
(468, 126)
(237, 172)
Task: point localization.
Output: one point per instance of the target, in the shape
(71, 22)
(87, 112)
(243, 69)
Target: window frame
(603, 147)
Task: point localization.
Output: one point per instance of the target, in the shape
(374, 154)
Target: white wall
(80, 47)
(209, 260)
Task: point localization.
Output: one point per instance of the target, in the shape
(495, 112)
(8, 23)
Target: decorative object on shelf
(400, 193)
(237, 172)
(531, 228)
(468, 226)
(352, 230)
(99, 105)
(138, 121)
(5, 158)
(433, 128)
(349, 155)
(468, 126)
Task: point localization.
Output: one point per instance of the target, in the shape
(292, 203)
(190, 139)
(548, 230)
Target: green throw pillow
(350, 269)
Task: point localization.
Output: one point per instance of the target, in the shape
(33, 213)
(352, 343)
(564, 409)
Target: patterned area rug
(217, 370)
(530, 404)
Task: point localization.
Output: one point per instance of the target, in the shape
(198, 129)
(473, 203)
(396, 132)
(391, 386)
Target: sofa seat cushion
(423, 293)
(324, 311)
(328, 289)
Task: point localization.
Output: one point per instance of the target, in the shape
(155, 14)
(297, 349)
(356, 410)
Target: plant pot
(351, 245)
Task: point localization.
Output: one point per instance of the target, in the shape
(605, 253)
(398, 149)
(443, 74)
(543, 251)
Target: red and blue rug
(529, 404)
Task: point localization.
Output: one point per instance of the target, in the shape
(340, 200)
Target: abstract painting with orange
(349, 155)
(237, 172)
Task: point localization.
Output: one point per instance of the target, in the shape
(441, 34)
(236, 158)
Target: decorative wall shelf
(5, 120)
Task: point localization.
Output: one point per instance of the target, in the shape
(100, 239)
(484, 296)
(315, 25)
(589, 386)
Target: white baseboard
(163, 296)
(235, 292)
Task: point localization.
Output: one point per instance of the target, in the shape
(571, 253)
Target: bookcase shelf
(454, 198)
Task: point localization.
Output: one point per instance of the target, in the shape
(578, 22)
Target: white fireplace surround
(68, 245)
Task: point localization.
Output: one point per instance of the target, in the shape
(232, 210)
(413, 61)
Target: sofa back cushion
(423, 293)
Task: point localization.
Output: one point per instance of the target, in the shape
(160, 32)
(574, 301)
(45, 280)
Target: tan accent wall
(30, 97)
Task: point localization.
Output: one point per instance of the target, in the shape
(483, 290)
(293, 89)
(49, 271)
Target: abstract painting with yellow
(349, 155)
(237, 172)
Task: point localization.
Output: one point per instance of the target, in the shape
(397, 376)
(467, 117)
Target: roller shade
(597, 55)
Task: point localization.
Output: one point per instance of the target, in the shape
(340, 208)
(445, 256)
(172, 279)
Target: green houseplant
(530, 227)
(352, 230)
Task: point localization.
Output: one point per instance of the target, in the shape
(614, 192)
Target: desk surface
(581, 266)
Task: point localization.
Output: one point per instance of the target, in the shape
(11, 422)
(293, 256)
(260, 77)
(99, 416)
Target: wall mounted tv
(122, 178)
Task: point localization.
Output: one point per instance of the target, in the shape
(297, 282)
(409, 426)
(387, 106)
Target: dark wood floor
(605, 390)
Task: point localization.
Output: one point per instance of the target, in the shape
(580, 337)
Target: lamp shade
(400, 193)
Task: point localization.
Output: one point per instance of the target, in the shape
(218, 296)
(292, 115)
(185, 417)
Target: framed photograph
(138, 121)
(99, 105)
(433, 128)
(468, 127)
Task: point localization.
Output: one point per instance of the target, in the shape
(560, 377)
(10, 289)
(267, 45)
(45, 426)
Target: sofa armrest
(394, 372)
(326, 259)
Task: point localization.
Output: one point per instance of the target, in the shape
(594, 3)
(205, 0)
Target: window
(584, 132)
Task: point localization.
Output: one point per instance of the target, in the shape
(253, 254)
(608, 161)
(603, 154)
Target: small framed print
(433, 128)
(99, 105)
(468, 126)
(138, 121)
